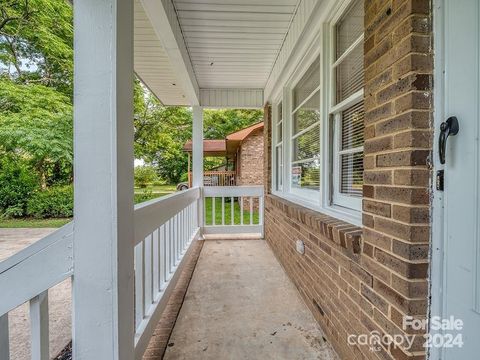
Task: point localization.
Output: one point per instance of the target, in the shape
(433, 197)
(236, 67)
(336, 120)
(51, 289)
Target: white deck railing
(27, 276)
(233, 210)
(164, 230)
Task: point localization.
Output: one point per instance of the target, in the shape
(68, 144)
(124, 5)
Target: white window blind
(348, 111)
(305, 140)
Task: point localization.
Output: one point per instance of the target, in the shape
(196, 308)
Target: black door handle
(447, 128)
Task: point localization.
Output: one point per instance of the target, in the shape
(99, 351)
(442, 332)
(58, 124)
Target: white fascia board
(163, 17)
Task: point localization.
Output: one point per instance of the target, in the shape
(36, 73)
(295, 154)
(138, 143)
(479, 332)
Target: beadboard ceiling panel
(234, 43)
(151, 62)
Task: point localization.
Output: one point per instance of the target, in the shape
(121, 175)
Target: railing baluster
(223, 210)
(232, 206)
(139, 281)
(148, 272)
(39, 327)
(213, 211)
(161, 257)
(260, 210)
(251, 210)
(156, 260)
(241, 210)
(4, 338)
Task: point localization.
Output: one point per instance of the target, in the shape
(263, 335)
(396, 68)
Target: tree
(36, 42)
(217, 124)
(36, 126)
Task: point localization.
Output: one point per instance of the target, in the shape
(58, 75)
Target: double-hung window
(347, 110)
(318, 127)
(305, 134)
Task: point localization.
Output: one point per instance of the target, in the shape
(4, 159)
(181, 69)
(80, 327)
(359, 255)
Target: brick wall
(251, 159)
(360, 280)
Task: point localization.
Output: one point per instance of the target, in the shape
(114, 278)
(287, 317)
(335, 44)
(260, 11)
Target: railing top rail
(36, 247)
(48, 261)
(151, 214)
(225, 191)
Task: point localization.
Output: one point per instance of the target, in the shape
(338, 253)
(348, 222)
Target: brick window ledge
(343, 234)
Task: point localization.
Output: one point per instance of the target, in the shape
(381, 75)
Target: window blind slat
(308, 114)
(350, 27)
(307, 145)
(351, 174)
(307, 84)
(350, 74)
(352, 127)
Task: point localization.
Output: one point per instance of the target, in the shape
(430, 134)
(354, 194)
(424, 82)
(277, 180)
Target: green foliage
(143, 196)
(36, 124)
(55, 202)
(36, 42)
(144, 175)
(217, 124)
(17, 182)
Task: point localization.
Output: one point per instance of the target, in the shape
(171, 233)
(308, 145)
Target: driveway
(11, 242)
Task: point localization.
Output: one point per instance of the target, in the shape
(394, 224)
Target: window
(305, 132)
(318, 128)
(278, 141)
(347, 110)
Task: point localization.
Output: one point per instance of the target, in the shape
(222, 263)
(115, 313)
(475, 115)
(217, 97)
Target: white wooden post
(103, 303)
(39, 327)
(197, 152)
(4, 338)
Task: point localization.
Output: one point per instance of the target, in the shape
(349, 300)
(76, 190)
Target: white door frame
(437, 206)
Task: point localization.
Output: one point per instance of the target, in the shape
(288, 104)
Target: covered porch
(126, 262)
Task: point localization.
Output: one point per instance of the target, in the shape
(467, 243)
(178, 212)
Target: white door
(461, 272)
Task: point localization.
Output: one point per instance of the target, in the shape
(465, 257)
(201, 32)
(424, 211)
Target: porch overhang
(216, 54)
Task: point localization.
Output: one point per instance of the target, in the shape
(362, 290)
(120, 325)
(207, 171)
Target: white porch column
(197, 155)
(103, 302)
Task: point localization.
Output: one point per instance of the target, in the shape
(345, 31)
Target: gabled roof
(240, 135)
(227, 146)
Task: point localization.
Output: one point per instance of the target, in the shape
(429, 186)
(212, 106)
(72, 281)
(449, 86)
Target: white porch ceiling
(152, 63)
(212, 52)
(234, 43)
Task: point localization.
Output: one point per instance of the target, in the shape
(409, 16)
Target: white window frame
(277, 143)
(352, 204)
(322, 44)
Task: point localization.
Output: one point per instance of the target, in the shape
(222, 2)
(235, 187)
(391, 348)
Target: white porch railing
(164, 230)
(27, 276)
(233, 210)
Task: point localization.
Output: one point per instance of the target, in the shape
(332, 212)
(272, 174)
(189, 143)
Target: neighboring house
(243, 153)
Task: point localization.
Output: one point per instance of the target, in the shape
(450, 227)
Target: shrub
(17, 183)
(55, 202)
(144, 175)
(144, 196)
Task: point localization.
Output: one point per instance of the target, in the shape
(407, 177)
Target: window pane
(351, 180)
(350, 74)
(350, 27)
(307, 145)
(279, 167)
(306, 175)
(279, 133)
(352, 127)
(308, 114)
(309, 82)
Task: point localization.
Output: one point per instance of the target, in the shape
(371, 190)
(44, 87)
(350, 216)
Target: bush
(55, 202)
(17, 183)
(144, 196)
(144, 175)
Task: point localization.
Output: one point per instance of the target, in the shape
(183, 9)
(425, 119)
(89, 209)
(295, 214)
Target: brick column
(398, 144)
(267, 143)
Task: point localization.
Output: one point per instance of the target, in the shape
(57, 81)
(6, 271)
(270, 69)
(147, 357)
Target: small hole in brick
(389, 11)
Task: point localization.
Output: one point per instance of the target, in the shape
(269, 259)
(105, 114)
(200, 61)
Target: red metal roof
(210, 147)
(242, 134)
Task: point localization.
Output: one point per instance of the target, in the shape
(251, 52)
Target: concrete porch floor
(240, 304)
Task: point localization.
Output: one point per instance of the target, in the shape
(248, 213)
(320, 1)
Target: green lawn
(33, 223)
(157, 189)
(228, 213)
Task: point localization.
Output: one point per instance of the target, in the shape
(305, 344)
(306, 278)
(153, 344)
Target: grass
(228, 212)
(158, 189)
(33, 223)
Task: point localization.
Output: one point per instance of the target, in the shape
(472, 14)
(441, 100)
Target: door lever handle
(447, 128)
